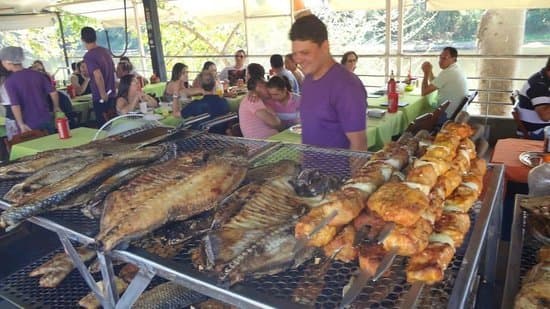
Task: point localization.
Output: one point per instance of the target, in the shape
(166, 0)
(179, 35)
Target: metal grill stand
(456, 291)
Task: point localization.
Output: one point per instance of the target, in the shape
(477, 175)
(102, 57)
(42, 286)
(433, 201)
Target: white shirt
(451, 85)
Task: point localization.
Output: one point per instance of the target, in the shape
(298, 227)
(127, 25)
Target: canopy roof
(111, 12)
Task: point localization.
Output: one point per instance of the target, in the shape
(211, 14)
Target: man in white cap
(28, 92)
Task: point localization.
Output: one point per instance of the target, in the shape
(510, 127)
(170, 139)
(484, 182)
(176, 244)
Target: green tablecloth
(79, 136)
(2, 126)
(418, 105)
(379, 131)
(235, 102)
(157, 89)
(84, 104)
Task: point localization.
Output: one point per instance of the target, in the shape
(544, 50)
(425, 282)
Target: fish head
(312, 183)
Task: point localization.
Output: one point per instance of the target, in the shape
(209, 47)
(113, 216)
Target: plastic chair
(464, 104)
(23, 137)
(422, 122)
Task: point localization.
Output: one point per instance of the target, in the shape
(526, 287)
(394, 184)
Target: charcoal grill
(471, 273)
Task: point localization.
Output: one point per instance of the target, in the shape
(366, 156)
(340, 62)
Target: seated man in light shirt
(450, 83)
(534, 102)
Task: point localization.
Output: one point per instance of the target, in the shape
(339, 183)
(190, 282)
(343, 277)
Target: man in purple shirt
(333, 106)
(28, 92)
(101, 69)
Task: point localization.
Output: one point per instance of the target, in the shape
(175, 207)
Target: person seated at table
(235, 75)
(207, 66)
(349, 60)
(278, 68)
(450, 83)
(283, 101)
(80, 79)
(534, 102)
(255, 118)
(130, 94)
(133, 71)
(292, 66)
(210, 103)
(178, 86)
(27, 91)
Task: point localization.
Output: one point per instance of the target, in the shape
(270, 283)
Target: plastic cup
(143, 107)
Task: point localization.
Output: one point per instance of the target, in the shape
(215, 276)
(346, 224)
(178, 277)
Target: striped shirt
(535, 92)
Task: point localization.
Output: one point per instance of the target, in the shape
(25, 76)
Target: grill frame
(251, 294)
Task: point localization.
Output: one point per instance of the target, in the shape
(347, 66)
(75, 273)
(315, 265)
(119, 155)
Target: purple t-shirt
(100, 58)
(30, 90)
(331, 106)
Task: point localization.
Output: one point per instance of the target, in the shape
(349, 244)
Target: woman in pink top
(255, 119)
(284, 102)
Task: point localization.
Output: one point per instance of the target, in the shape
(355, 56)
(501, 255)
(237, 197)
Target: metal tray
(522, 254)
(456, 291)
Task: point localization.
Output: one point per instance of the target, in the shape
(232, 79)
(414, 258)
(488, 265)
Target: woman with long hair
(178, 86)
(130, 95)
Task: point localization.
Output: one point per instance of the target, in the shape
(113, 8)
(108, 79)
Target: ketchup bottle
(393, 96)
(62, 125)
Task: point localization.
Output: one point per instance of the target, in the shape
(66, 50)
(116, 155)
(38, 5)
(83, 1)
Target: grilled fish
(58, 267)
(91, 302)
(270, 255)
(29, 165)
(56, 193)
(168, 295)
(49, 175)
(265, 206)
(93, 206)
(273, 170)
(174, 190)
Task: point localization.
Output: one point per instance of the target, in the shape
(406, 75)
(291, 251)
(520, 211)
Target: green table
(418, 104)
(2, 126)
(235, 102)
(79, 136)
(84, 105)
(379, 131)
(157, 89)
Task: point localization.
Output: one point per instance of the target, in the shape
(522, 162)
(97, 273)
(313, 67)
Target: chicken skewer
(430, 164)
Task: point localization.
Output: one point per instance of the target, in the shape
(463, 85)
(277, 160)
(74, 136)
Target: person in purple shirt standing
(28, 92)
(333, 105)
(101, 70)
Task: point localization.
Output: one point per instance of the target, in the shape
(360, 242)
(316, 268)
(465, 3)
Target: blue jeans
(101, 108)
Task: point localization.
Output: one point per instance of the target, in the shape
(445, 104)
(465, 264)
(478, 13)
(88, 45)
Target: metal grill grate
(212, 141)
(529, 250)
(25, 291)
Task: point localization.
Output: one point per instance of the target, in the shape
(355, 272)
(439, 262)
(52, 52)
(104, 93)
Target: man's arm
(427, 86)
(16, 110)
(100, 83)
(357, 140)
(543, 112)
(55, 100)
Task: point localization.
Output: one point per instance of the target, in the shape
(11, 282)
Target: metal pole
(140, 41)
(401, 9)
(64, 44)
(155, 41)
(388, 38)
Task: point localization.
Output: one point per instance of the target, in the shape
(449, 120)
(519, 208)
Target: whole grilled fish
(31, 164)
(93, 206)
(168, 295)
(273, 170)
(272, 254)
(58, 267)
(174, 190)
(56, 193)
(49, 175)
(91, 302)
(265, 206)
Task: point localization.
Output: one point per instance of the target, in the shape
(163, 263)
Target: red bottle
(393, 96)
(62, 125)
(71, 91)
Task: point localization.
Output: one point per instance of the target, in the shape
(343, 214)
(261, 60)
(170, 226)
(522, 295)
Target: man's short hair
(452, 51)
(276, 61)
(256, 70)
(308, 28)
(87, 34)
(207, 80)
